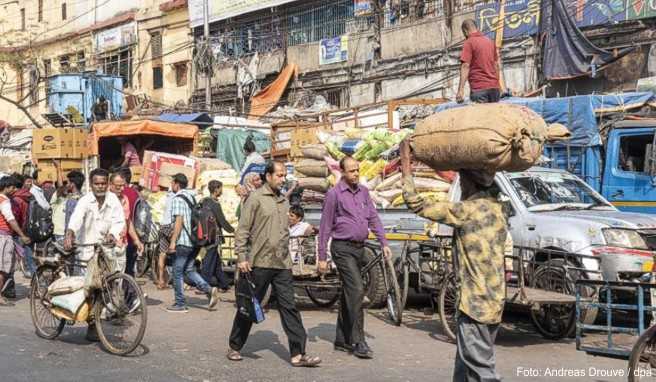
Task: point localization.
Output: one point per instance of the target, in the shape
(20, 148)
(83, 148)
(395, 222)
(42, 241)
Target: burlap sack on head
(492, 137)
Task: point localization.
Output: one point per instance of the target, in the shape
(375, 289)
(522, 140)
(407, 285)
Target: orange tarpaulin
(267, 98)
(147, 127)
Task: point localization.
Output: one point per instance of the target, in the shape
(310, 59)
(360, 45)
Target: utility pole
(208, 72)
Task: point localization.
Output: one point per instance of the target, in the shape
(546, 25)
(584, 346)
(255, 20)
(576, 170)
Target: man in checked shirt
(480, 237)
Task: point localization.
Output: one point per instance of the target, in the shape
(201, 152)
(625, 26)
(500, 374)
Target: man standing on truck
(480, 231)
(261, 245)
(480, 65)
(348, 215)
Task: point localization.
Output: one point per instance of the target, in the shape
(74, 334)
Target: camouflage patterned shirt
(481, 233)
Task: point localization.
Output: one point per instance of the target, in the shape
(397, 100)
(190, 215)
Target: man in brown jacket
(262, 247)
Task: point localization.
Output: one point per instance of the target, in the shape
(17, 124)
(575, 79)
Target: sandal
(5, 302)
(234, 355)
(307, 361)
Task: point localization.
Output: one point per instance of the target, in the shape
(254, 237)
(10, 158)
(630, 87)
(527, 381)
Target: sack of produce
(314, 184)
(312, 168)
(314, 151)
(493, 137)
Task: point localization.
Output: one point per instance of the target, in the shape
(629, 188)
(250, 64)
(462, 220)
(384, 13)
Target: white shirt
(295, 243)
(40, 198)
(91, 222)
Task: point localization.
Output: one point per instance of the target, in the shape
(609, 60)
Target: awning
(143, 127)
(268, 98)
(201, 119)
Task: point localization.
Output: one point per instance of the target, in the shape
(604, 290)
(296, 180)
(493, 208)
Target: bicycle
(117, 305)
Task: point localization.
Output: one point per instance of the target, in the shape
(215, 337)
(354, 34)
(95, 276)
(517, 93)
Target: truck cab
(623, 170)
(629, 174)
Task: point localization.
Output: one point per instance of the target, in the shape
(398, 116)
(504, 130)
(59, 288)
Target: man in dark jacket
(212, 267)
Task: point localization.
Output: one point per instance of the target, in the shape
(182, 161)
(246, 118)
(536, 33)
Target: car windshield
(549, 191)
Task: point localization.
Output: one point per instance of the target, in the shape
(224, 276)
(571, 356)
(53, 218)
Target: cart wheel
(448, 306)
(642, 363)
(323, 297)
(553, 321)
(374, 283)
(267, 296)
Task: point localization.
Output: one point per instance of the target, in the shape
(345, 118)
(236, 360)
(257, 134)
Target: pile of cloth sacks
(377, 151)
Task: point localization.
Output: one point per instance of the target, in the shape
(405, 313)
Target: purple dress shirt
(348, 215)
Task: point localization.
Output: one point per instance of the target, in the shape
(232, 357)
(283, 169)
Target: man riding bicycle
(97, 218)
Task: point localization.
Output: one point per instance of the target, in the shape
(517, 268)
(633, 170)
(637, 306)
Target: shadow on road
(325, 332)
(270, 340)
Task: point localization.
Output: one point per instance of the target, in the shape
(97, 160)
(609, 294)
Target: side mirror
(503, 198)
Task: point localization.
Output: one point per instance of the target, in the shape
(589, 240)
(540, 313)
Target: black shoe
(342, 347)
(361, 350)
(92, 334)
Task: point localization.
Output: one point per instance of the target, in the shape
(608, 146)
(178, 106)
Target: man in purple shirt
(348, 215)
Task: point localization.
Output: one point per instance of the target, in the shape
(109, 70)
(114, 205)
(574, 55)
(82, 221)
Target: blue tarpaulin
(578, 113)
(203, 120)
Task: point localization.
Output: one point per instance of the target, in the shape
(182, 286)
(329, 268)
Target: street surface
(192, 347)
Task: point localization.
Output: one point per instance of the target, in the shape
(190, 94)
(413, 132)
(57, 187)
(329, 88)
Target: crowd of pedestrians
(265, 255)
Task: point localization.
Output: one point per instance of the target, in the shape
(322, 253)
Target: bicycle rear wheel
(403, 271)
(394, 302)
(47, 325)
(120, 314)
(448, 306)
(642, 363)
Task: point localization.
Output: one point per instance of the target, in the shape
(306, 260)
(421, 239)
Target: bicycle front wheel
(120, 314)
(642, 363)
(394, 301)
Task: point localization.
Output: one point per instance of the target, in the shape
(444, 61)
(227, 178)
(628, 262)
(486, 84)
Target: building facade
(39, 39)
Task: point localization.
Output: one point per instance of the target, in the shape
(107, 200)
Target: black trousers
(349, 260)
(283, 287)
(485, 96)
(212, 268)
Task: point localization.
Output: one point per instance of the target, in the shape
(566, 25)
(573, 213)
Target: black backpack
(142, 219)
(203, 224)
(38, 224)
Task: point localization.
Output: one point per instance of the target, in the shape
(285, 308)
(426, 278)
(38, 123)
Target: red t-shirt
(481, 55)
(132, 196)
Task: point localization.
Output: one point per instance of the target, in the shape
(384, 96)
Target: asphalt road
(192, 347)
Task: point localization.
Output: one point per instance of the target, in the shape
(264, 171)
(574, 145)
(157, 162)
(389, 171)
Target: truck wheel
(374, 284)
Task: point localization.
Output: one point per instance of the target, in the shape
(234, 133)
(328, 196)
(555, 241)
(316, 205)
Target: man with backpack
(185, 242)
(211, 267)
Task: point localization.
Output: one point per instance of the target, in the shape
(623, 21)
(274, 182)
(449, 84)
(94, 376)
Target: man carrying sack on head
(480, 232)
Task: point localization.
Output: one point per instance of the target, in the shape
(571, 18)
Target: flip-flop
(233, 355)
(307, 361)
(5, 302)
